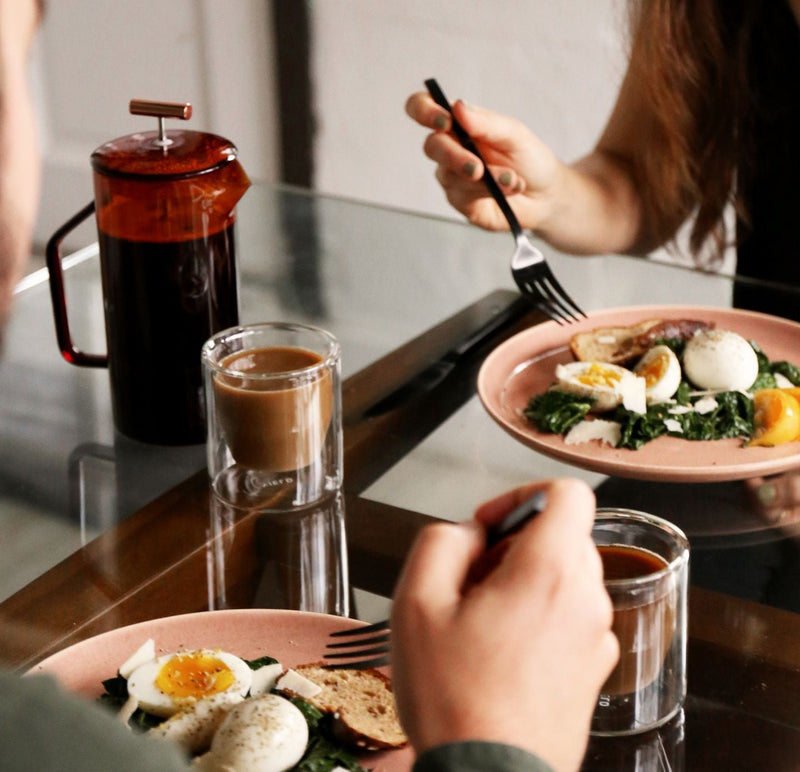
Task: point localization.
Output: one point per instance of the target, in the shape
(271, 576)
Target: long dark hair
(692, 58)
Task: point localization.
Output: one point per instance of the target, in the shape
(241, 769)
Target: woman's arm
(588, 207)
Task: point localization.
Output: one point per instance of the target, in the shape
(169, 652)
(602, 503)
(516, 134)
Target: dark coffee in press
(189, 291)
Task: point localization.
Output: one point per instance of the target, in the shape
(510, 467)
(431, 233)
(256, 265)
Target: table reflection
(280, 559)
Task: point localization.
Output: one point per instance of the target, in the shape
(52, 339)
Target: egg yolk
(776, 416)
(654, 369)
(594, 375)
(194, 675)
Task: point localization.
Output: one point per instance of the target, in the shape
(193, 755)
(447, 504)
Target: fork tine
(535, 281)
(539, 299)
(360, 653)
(360, 641)
(375, 627)
(558, 311)
(363, 664)
(563, 294)
(374, 652)
(373, 641)
(555, 299)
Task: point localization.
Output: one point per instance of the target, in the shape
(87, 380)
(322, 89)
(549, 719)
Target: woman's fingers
(421, 107)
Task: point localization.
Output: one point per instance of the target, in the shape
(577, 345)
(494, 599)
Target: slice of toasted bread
(362, 702)
(616, 345)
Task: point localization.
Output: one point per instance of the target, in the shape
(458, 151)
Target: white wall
(554, 65)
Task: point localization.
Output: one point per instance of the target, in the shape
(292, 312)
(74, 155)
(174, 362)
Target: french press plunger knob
(162, 111)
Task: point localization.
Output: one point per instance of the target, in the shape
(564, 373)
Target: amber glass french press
(164, 203)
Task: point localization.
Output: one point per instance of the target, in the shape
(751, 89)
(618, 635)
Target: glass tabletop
(402, 292)
(376, 278)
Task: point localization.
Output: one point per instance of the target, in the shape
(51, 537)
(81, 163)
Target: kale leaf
(323, 755)
(323, 751)
(256, 664)
(638, 429)
(787, 370)
(556, 412)
(115, 696)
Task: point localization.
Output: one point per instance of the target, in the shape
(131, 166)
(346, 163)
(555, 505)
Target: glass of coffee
(645, 569)
(273, 410)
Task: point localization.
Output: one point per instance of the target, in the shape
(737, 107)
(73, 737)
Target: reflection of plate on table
(293, 637)
(524, 366)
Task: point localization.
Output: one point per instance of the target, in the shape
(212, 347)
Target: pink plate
(524, 366)
(292, 637)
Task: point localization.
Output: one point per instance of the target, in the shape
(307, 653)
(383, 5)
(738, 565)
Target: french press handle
(69, 351)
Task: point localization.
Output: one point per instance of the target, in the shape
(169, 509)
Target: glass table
(97, 527)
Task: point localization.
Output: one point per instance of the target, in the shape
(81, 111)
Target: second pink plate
(524, 366)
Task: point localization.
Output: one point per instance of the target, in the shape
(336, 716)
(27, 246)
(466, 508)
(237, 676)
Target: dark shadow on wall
(291, 26)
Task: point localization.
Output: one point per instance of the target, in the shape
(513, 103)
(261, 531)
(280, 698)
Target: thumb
(500, 132)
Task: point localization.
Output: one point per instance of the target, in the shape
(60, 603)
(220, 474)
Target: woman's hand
(776, 498)
(520, 656)
(523, 166)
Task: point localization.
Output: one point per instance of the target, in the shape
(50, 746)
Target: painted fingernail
(469, 168)
(440, 122)
(767, 494)
(505, 178)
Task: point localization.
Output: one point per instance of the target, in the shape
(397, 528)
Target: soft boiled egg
(776, 416)
(608, 385)
(661, 371)
(720, 360)
(263, 734)
(168, 683)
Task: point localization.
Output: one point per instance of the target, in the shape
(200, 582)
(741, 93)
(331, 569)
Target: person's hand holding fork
(519, 657)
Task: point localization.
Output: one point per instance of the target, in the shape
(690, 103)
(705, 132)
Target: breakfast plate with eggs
(163, 658)
(585, 358)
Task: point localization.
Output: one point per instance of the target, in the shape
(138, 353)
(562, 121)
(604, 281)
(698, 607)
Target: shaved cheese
(145, 653)
(782, 382)
(673, 425)
(298, 684)
(680, 410)
(127, 710)
(634, 395)
(265, 678)
(706, 405)
(598, 429)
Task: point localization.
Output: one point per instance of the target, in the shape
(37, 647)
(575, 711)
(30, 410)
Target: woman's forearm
(595, 208)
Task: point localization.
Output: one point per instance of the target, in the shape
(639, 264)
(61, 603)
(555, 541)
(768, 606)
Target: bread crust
(362, 704)
(616, 345)
(624, 345)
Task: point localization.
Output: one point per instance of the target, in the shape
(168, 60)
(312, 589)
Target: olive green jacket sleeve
(475, 756)
(46, 729)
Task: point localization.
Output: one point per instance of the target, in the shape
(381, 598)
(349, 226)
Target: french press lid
(168, 155)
